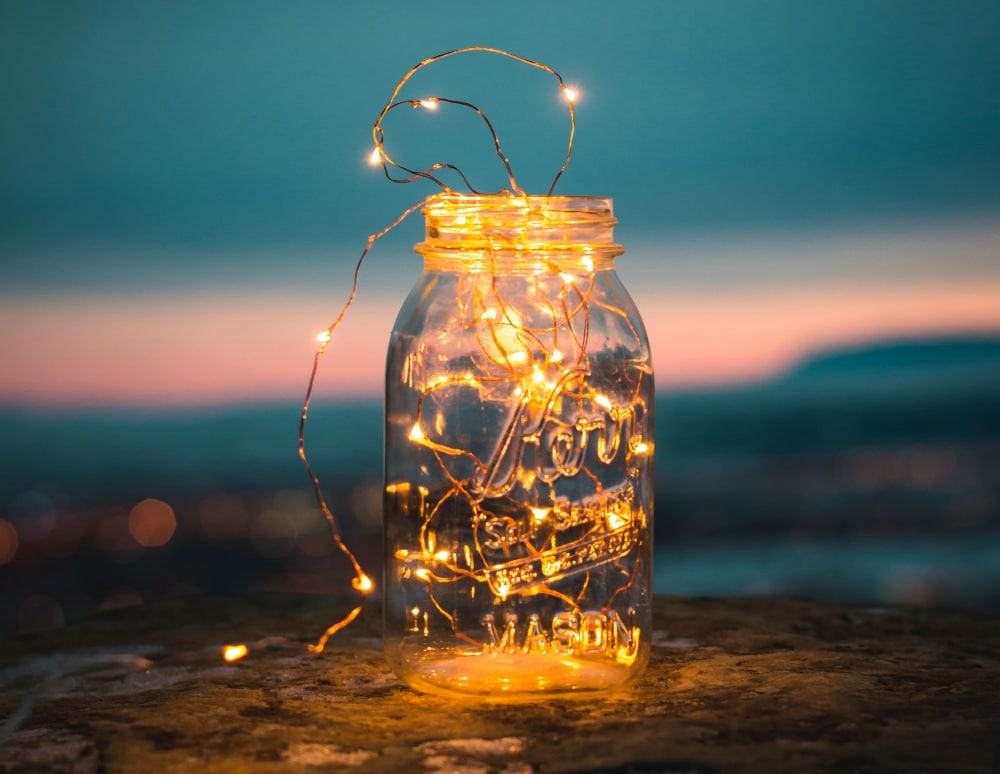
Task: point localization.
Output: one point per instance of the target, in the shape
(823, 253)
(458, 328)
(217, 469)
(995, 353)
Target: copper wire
(378, 135)
(387, 160)
(474, 489)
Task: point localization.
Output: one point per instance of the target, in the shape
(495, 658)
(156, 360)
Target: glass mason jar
(518, 456)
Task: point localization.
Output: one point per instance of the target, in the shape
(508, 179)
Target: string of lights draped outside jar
(519, 440)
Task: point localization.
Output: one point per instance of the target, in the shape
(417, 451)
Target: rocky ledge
(734, 684)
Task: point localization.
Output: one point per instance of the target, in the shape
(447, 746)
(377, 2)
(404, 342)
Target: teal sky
(184, 188)
(173, 131)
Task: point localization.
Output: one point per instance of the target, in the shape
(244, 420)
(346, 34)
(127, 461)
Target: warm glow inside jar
(518, 455)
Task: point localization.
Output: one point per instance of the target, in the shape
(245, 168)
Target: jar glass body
(518, 464)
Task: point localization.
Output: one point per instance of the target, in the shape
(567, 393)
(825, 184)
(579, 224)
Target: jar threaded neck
(512, 233)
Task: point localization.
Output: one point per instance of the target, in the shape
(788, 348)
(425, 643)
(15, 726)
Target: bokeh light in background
(810, 201)
(8, 541)
(152, 523)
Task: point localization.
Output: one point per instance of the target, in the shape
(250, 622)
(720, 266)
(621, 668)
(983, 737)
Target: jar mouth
(476, 226)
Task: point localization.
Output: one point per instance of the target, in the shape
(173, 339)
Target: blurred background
(809, 195)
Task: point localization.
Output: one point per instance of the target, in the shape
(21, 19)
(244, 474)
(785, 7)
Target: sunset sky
(184, 190)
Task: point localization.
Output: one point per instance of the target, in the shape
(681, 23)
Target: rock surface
(736, 684)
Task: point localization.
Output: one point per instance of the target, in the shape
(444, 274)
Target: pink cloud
(203, 349)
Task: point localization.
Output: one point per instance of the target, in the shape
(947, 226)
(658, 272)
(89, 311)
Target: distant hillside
(929, 391)
(941, 391)
(942, 360)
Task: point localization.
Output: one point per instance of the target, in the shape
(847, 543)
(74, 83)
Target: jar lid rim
(509, 199)
(506, 223)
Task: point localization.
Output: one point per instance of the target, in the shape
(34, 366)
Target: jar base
(515, 676)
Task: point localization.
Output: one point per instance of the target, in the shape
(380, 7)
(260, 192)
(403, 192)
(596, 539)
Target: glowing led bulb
(234, 652)
(375, 157)
(323, 338)
(430, 103)
(490, 314)
(417, 432)
(556, 356)
(603, 401)
(642, 447)
(517, 357)
(616, 520)
(423, 573)
(442, 555)
(540, 514)
(570, 94)
(363, 583)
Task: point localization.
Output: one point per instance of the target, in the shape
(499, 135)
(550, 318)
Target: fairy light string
(544, 363)
(380, 153)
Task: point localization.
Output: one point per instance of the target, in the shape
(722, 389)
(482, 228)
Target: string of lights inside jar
(518, 439)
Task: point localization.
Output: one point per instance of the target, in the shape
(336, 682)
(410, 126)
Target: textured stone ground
(734, 685)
